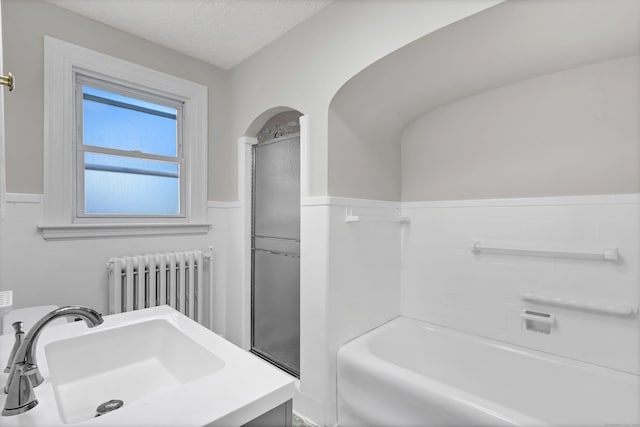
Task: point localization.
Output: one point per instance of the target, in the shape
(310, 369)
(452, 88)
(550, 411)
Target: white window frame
(60, 221)
(82, 80)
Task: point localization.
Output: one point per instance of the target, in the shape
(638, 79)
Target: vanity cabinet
(280, 416)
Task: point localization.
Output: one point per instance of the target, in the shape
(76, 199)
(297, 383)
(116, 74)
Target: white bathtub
(410, 373)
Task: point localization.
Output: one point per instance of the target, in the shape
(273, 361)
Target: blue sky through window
(113, 193)
(120, 128)
(129, 185)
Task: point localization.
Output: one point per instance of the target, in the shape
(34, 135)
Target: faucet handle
(17, 326)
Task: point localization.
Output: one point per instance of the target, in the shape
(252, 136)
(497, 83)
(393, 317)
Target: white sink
(127, 363)
(168, 370)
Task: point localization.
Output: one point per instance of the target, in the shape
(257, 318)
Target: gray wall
(24, 23)
(305, 68)
(568, 133)
(364, 159)
(503, 45)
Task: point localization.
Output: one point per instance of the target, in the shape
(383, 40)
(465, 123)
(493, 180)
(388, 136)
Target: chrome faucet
(24, 374)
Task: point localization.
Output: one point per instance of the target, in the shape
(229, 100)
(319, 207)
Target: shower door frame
(245, 205)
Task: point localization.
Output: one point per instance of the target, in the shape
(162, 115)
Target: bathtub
(410, 373)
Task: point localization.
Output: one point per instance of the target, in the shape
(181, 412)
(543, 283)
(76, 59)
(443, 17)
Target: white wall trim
(247, 140)
(93, 231)
(31, 198)
(245, 164)
(214, 204)
(3, 169)
(62, 61)
(305, 167)
(600, 199)
(349, 202)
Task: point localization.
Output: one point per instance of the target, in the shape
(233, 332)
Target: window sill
(95, 231)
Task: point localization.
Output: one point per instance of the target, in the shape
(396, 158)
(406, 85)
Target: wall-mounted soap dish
(537, 321)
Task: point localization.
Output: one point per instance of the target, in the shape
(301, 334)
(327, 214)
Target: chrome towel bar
(609, 254)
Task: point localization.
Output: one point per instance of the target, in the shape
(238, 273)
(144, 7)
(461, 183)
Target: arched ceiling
(508, 43)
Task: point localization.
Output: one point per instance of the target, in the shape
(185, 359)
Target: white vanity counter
(168, 370)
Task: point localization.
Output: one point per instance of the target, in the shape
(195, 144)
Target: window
(125, 148)
(128, 152)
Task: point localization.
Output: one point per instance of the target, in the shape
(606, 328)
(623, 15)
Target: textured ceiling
(220, 32)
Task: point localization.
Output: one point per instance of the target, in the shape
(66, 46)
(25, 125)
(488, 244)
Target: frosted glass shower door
(276, 253)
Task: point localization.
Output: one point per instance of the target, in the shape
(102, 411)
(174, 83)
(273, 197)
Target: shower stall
(275, 247)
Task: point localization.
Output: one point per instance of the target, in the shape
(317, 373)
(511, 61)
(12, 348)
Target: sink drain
(109, 406)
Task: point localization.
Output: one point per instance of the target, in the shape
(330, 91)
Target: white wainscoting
(65, 272)
(356, 276)
(444, 282)
(350, 274)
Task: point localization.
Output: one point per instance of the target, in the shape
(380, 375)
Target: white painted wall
(445, 283)
(364, 273)
(314, 399)
(354, 288)
(225, 218)
(74, 271)
(3, 178)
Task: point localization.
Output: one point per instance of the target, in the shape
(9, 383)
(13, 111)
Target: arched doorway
(275, 242)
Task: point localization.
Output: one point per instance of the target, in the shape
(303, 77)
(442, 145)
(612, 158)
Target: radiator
(175, 278)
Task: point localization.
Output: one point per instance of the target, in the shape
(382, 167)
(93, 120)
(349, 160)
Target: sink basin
(132, 363)
(167, 369)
